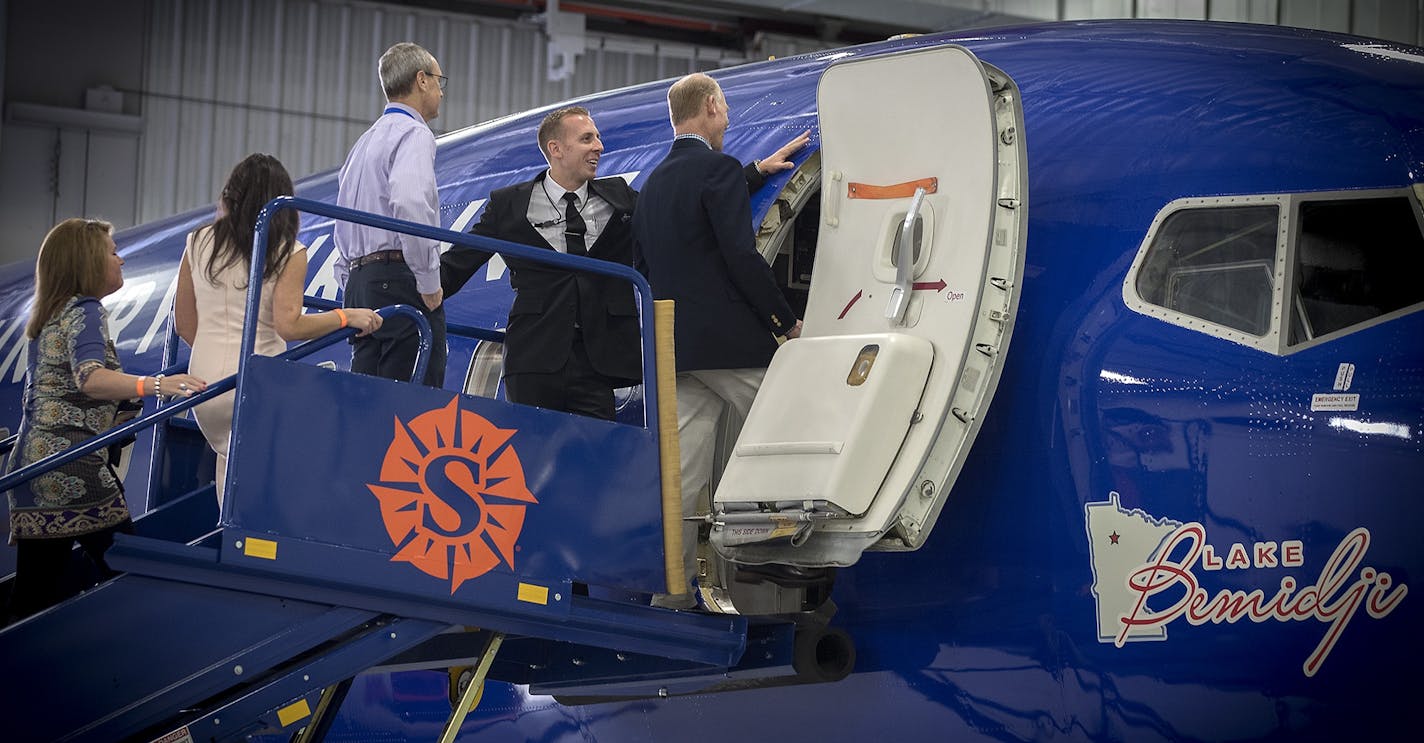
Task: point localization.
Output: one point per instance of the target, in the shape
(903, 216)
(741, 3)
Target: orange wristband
(139, 385)
(341, 314)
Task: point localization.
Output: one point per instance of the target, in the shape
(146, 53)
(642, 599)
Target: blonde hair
(687, 96)
(552, 127)
(71, 263)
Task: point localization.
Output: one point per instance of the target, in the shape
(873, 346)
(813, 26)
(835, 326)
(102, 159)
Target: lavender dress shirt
(391, 171)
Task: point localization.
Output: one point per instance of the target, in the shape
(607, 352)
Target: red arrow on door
(936, 285)
(852, 301)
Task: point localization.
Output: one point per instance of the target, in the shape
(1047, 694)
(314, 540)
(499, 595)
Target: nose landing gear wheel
(460, 678)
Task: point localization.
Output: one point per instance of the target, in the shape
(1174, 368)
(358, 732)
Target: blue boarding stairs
(375, 525)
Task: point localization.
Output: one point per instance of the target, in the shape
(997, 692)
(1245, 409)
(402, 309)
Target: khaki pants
(706, 400)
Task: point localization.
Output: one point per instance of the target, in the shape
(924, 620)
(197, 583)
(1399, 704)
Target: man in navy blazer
(693, 231)
(572, 336)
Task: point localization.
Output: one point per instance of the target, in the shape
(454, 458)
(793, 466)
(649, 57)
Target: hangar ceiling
(904, 15)
(195, 84)
(732, 23)
(740, 24)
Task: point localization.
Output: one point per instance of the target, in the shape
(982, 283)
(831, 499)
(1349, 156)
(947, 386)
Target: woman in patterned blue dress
(72, 392)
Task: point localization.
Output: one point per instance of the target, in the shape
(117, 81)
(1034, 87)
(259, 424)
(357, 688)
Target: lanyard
(397, 110)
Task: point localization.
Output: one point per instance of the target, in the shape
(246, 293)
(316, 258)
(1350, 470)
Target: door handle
(905, 268)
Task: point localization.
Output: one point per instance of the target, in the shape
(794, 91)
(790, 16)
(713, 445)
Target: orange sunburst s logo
(452, 494)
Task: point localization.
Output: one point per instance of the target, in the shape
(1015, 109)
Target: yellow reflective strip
(533, 594)
(297, 710)
(263, 548)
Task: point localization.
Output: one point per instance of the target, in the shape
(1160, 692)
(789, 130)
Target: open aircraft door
(863, 423)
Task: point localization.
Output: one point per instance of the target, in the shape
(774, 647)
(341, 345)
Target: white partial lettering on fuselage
(160, 317)
(322, 284)
(1137, 557)
(125, 306)
(323, 281)
(14, 350)
(462, 222)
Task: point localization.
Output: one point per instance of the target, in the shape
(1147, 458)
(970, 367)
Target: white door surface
(862, 423)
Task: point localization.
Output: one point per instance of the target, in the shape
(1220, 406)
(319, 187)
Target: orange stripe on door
(897, 191)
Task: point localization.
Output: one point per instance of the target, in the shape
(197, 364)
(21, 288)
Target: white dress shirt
(546, 212)
(391, 171)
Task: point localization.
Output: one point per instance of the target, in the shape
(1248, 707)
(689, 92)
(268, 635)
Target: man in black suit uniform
(572, 337)
(693, 230)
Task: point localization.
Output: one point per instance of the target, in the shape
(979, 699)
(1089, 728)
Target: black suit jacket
(693, 231)
(548, 302)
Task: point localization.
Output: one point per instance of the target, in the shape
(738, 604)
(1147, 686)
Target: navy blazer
(548, 302)
(693, 231)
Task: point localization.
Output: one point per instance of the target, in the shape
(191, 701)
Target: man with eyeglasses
(391, 171)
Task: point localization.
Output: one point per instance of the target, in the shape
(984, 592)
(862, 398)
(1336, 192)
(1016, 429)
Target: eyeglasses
(441, 80)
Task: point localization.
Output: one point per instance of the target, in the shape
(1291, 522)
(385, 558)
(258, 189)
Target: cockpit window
(1280, 272)
(1216, 264)
(1356, 259)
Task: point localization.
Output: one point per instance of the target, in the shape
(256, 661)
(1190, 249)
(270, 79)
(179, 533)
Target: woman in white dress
(212, 291)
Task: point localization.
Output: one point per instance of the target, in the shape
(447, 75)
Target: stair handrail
(452, 329)
(254, 294)
(226, 384)
(469, 240)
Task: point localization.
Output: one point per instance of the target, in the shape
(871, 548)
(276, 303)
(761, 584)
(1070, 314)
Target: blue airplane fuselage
(1282, 607)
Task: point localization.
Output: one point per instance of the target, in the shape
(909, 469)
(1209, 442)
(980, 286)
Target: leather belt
(380, 256)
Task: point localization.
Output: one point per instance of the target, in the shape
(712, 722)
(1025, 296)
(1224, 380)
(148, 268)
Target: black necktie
(574, 227)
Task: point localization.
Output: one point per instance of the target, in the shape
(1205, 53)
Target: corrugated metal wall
(1394, 20)
(297, 78)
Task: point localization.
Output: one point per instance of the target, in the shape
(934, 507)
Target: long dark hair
(256, 180)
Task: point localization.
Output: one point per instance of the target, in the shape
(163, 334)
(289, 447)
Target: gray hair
(399, 66)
